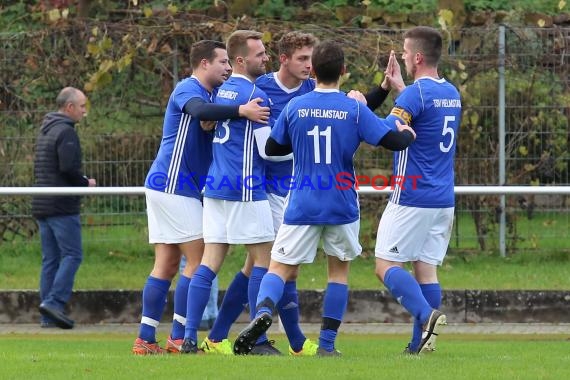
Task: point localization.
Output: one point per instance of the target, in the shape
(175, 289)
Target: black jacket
(57, 162)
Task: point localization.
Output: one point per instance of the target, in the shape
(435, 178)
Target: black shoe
(59, 318)
(189, 347)
(265, 348)
(247, 337)
(47, 325)
(333, 353)
(432, 327)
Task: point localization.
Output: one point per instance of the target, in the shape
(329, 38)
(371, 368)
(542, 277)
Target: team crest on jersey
(402, 114)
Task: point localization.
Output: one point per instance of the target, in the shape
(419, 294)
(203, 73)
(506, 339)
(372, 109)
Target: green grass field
(117, 256)
(107, 356)
(115, 262)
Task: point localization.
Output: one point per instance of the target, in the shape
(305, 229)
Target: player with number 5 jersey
(432, 106)
(416, 224)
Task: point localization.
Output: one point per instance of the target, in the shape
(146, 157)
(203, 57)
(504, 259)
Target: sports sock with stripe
(155, 292)
(334, 307)
(180, 302)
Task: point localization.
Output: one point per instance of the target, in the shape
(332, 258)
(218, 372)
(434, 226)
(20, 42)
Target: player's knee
(380, 273)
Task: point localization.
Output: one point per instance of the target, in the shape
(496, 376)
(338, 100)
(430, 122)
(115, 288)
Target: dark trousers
(61, 256)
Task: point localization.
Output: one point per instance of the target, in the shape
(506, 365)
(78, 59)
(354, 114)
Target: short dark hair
(237, 42)
(204, 49)
(328, 61)
(295, 40)
(427, 41)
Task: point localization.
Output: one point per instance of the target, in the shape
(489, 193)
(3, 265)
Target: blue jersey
(237, 172)
(279, 96)
(185, 151)
(325, 128)
(432, 107)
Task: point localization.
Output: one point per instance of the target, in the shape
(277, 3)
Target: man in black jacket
(58, 163)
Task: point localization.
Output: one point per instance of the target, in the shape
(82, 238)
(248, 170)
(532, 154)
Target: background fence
(122, 133)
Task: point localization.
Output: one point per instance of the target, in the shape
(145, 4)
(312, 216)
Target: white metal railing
(459, 190)
(136, 190)
(139, 190)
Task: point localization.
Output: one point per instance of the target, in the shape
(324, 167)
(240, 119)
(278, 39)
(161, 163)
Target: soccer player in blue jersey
(236, 209)
(291, 80)
(323, 129)
(173, 188)
(416, 225)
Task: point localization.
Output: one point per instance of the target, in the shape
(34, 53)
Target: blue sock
(334, 306)
(432, 294)
(257, 274)
(155, 292)
(406, 290)
(180, 302)
(270, 293)
(198, 295)
(232, 306)
(288, 309)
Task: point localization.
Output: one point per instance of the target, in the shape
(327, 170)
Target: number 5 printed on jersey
(447, 130)
(222, 133)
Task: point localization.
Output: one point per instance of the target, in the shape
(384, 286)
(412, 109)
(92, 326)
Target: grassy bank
(117, 256)
(108, 266)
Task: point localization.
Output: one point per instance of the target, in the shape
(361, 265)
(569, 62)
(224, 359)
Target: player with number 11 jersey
(327, 137)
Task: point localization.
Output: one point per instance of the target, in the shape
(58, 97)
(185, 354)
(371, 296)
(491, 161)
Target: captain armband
(402, 114)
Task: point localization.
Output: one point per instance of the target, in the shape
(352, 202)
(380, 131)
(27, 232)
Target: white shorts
(298, 244)
(172, 219)
(277, 204)
(414, 234)
(235, 222)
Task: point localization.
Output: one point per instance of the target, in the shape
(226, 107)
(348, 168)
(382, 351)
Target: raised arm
(392, 81)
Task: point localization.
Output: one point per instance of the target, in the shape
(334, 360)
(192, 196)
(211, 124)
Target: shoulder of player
(188, 84)
(311, 83)
(264, 79)
(259, 93)
(306, 98)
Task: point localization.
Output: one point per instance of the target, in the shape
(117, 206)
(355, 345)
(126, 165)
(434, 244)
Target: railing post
(502, 216)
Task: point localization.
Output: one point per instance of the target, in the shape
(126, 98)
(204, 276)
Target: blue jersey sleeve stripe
(421, 95)
(177, 153)
(252, 92)
(402, 158)
(247, 169)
